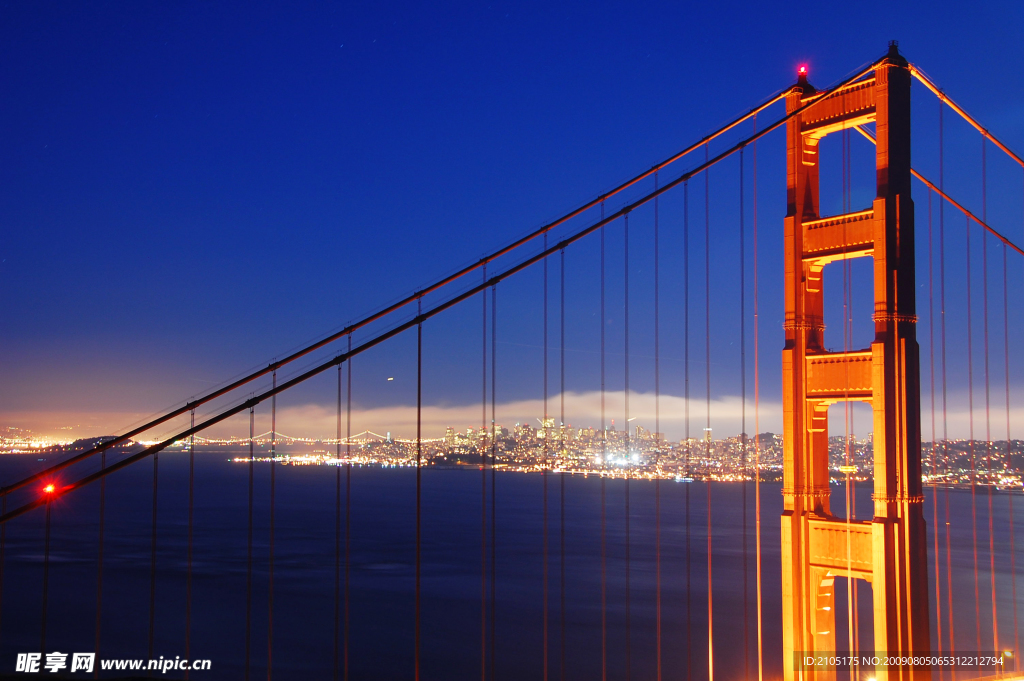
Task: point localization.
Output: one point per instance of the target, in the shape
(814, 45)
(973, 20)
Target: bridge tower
(888, 551)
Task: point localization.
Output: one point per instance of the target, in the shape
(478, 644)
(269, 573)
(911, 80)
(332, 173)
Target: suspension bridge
(675, 561)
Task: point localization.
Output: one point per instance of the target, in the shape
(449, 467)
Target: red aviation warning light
(49, 489)
(801, 75)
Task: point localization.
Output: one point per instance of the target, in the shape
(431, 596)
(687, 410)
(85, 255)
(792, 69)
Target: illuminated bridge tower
(889, 550)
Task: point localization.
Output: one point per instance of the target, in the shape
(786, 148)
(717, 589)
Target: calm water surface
(381, 608)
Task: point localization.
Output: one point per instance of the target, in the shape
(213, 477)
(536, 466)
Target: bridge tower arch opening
(889, 551)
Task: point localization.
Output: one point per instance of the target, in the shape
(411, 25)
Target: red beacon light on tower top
(801, 75)
(50, 489)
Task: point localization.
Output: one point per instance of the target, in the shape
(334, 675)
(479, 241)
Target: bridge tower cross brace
(889, 551)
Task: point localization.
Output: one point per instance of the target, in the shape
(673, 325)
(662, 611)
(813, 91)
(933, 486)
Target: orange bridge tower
(889, 551)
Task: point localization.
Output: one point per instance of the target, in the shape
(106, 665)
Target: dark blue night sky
(188, 190)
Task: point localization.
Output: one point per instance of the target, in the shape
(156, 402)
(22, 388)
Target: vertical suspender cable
(419, 476)
(988, 414)
(46, 576)
(686, 414)
(935, 478)
(1007, 464)
(851, 602)
(970, 420)
(604, 459)
(494, 488)
(628, 454)
(3, 545)
(348, 506)
(1006, 343)
(853, 488)
(248, 571)
(191, 515)
(942, 332)
(905, 530)
(544, 475)
(743, 425)
(337, 533)
(99, 560)
(757, 436)
(707, 386)
(273, 481)
(657, 445)
(482, 440)
(152, 559)
(847, 338)
(561, 476)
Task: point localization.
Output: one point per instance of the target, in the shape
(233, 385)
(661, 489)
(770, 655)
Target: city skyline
(614, 452)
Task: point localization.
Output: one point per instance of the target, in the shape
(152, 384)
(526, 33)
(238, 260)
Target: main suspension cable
(943, 97)
(963, 209)
(377, 339)
(441, 283)
(348, 330)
